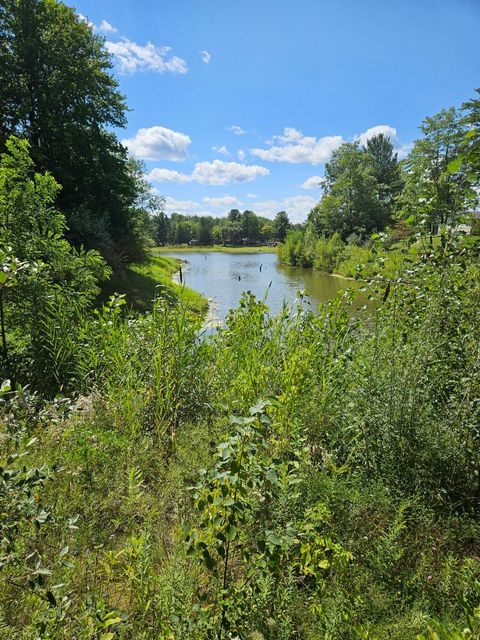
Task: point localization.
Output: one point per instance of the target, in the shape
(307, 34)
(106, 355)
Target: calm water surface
(223, 277)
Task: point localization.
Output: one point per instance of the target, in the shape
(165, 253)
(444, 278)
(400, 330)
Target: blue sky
(240, 103)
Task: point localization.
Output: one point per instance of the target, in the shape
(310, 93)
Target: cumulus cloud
(293, 147)
(158, 143)
(241, 154)
(106, 27)
(223, 150)
(180, 206)
(220, 172)
(222, 201)
(313, 182)
(217, 172)
(167, 175)
(297, 207)
(238, 131)
(387, 130)
(206, 57)
(132, 57)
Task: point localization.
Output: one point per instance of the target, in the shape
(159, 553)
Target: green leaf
(274, 539)
(107, 636)
(455, 165)
(111, 621)
(231, 532)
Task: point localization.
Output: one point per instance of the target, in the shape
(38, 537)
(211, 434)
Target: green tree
(386, 169)
(205, 235)
(56, 89)
(47, 270)
(183, 233)
(160, 227)
(231, 232)
(281, 224)
(234, 215)
(250, 226)
(351, 204)
(434, 194)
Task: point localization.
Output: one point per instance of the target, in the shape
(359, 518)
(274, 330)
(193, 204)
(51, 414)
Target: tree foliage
(57, 90)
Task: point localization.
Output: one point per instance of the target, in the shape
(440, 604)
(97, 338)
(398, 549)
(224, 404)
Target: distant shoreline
(214, 248)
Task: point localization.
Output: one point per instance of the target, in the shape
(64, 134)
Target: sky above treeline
(239, 103)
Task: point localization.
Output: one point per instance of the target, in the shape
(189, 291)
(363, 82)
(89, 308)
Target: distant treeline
(236, 228)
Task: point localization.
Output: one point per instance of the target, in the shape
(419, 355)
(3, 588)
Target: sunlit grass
(214, 248)
(141, 281)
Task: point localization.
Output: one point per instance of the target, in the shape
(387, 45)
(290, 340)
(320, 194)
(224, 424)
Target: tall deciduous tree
(351, 204)
(434, 194)
(250, 226)
(470, 146)
(56, 89)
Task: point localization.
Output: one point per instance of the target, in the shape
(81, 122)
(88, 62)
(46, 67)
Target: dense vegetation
(57, 91)
(369, 196)
(308, 477)
(339, 496)
(235, 229)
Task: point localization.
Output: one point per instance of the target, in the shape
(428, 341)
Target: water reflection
(223, 277)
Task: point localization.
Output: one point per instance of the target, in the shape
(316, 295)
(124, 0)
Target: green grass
(212, 248)
(140, 284)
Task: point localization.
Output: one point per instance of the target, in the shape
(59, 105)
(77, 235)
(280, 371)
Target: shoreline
(213, 249)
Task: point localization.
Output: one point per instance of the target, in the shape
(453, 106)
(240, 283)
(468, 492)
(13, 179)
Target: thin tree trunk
(2, 329)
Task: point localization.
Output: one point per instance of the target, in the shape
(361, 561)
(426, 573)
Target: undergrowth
(291, 477)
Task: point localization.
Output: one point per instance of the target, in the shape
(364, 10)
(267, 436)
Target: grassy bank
(141, 283)
(214, 248)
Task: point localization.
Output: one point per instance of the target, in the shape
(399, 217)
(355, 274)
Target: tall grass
(347, 497)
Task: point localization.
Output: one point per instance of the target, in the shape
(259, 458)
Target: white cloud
(206, 57)
(403, 150)
(387, 130)
(220, 172)
(217, 172)
(106, 27)
(133, 57)
(252, 195)
(238, 131)
(241, 154)
(295, 148)
(180, 206)
(222, 201)
(167, 175)
(313, 182)
(223, 150)
(158, 143)
(297, 207)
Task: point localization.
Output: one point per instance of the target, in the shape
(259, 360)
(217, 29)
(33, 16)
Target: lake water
(223, 277)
